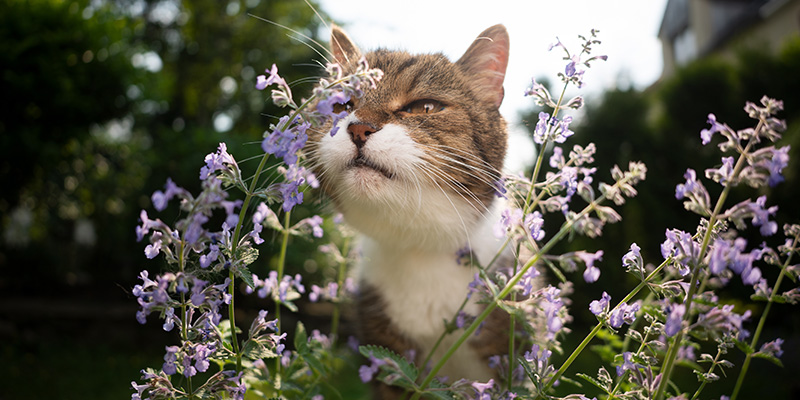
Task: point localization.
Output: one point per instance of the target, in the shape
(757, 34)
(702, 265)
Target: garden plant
(673, 318)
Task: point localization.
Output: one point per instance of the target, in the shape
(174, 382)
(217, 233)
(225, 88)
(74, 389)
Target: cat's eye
(338, 107)
(424, 106)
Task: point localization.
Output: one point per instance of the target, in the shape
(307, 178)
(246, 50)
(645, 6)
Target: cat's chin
(363, 167)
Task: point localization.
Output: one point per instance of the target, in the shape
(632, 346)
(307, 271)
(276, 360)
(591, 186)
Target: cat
(414, 168)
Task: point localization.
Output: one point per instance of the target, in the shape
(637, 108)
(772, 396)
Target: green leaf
(593, 381)
(604, 377)
(527, 367)
(246, 255)
(256, 350)
(755, 297)
(572, 382)
(300, 338)
(768, 357)
(313, 362)
(247, 276)
(744, 347)
(382, 353)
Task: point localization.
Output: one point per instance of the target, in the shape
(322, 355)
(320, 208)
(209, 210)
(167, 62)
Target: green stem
(599, 325)
(540, 157)
(611, 395)
(710, 370)
(232, 319)
(340, 290)
(184, 315)
(763, 320)
(565, 228)
(696, 271)
(512, 331)
(444, 334)
(281, 264)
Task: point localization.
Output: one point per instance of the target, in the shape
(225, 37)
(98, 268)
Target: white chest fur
(422, 289)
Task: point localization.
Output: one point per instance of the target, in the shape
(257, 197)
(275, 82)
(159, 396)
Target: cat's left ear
(486, 61)
(343, 49)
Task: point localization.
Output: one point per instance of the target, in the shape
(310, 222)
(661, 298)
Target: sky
(628, 32)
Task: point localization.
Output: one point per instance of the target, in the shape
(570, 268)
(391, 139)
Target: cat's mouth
(362, 162)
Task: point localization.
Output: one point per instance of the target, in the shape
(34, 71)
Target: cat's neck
(431, 223)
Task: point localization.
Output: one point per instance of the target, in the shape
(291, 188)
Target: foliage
(672, 312)
(106, 99)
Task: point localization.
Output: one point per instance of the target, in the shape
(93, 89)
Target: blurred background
(103, 100)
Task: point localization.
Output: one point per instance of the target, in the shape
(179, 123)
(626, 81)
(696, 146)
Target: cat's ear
(486, 60)
(342, 47)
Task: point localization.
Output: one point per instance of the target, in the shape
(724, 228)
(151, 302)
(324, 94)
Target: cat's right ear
(343, 49)
(486, 61)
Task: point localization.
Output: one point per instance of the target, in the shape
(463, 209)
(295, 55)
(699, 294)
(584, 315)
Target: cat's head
(417, 158)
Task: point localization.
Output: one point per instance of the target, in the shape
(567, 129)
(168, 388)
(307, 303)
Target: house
(693, 29)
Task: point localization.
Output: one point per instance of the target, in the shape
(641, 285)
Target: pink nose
(359, 133)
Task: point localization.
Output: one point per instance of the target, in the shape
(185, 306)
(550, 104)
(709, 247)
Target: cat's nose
(359, 132)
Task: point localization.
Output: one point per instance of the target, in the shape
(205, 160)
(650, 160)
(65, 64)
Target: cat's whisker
(302, 35)
(466, 154)
(478, 174)
(455, 208)
(456, 186)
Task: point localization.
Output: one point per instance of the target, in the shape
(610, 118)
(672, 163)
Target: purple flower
(627, 364)
(217, 161)
(198, 297)
(761, 216)
(724, 173)
(316, 226)
(632, 260)
(623, 313)
(779, 161)
(563, 131)
(551, 304)
(539, 361)
(367, 372)
(592, 273)
(315, 293)
(152, 249)
(540, 132)
(500, 188)
(291, 194)
(160, 199)
(509, 219)
(682, 247)
(170, 366)
(674, 321)
(724, 321)
(706, 134)
(286, 140)
(570, 69)
(476, 285)
(262, 81)
(188, 368)
(213, 255)
(773, 348)
(195, 229)
(482, 388)
(463, 255)
(534, 223)
(325, 106)
(528, 281)
(598, 307)
(169, 319)
(691, 184)
(262, 212)
(143, 229)
(557, 158)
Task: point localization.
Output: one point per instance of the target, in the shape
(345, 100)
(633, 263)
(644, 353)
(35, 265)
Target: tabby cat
(413, 168)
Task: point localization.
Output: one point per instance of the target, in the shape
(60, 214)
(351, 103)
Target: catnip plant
(672, 313)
